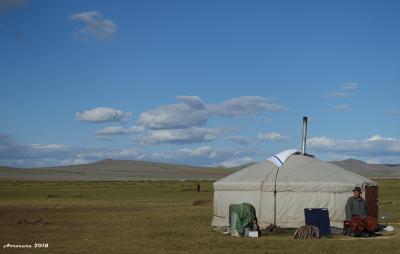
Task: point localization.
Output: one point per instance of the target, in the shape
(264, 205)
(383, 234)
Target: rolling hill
(116, 170)
(127, 170)
(370, 170)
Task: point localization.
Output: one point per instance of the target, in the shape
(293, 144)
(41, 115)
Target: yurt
(281, 187)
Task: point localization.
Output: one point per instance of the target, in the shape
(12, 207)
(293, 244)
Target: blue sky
(197, 82)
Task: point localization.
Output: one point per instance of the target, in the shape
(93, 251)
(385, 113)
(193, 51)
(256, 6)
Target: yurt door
(371, 199)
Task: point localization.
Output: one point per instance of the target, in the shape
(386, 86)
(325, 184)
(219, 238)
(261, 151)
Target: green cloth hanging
(245, 216)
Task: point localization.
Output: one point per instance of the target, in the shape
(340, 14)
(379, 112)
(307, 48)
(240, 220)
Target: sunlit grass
(147, 217)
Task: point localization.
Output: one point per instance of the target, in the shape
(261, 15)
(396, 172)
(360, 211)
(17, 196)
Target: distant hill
(116, 170)
(127, 170)
(370, 170)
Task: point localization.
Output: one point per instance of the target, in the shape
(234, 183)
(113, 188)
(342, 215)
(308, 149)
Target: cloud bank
(376, 149)
(39, 155)
(192, 111)
(375, 145)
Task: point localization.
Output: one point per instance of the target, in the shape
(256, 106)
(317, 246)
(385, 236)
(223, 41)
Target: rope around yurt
(306, 232)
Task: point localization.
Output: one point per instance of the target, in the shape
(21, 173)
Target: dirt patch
(53, 196)
(39, 222)
(59, 196)
(272, 229)
(202, 202)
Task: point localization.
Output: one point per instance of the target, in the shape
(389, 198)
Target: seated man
(357, 215)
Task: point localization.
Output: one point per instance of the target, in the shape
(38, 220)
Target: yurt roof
(299, 172)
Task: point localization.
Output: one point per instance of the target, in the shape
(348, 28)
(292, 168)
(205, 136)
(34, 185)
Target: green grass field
(149, 217)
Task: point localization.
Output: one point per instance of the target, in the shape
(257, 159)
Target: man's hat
(357, 189)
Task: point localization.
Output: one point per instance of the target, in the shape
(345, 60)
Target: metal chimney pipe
(304, 138)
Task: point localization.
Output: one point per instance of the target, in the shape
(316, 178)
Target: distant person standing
(357, 215)
(198, 187)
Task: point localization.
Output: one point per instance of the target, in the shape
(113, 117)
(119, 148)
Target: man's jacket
(355, 206)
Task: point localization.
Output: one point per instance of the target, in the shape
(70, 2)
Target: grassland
(148, 217)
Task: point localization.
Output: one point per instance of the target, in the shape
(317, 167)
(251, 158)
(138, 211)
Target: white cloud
(375, 149)
(118, 130)
(349, 86)
(192, 101)
(245, 106)
(203, 156)
(339, 157)
(203, 151)
(272, 136)
(158, 156)
(207, 156)
(379, 138)
(384, 160)
(346, 90)
(180, 136)
(7, 5)
(95, 25)
(68, 162)
(12, 151)
(338, 94)
(101, 115)
(49, 147)
(238, 139)
(319, 142)
(342, 107)
(42, 155)
(98, 154)
(235, 162)
(192, 111)
(375, 145)
(111, 130)
(374, 161)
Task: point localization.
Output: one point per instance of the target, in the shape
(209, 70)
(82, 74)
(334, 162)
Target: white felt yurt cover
(301, 182)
